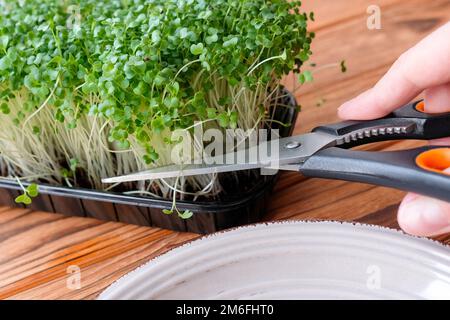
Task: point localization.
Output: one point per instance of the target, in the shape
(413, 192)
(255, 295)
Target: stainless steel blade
(291, 150)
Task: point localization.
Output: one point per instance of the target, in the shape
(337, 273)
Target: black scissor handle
(417, 170)
(407, 122)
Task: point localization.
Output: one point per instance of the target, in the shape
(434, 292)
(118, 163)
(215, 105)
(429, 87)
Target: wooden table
(37, 248)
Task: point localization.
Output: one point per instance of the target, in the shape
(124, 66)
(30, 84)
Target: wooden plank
(335, 94)
(8, 214)
(366, 50)
(103, 252)
(329, 13)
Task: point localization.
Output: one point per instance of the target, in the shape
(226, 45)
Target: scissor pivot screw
(292, 145)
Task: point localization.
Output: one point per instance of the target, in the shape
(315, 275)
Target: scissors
(326, 152)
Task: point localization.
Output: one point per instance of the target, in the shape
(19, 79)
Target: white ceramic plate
(294, 260)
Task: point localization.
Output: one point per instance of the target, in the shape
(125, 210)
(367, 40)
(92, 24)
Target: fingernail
(345, 105)
(410, 197)
(344, 109)
(423, 216)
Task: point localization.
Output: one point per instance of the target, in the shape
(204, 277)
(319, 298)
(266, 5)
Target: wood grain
(329, 13)
(36, 248)
(367, 50)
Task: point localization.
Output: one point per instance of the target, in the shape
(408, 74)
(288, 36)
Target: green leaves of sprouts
(146, 68)
(24, 198)
(70, 173)
(183, 215)
(32, 190)
(5, 108)
(186, 214)
(73, 164)
(4, 40)
(29, 192)
(134, 63)
(305, 76)
(197, 49)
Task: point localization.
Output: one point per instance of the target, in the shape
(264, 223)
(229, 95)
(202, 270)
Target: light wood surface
(37, 248)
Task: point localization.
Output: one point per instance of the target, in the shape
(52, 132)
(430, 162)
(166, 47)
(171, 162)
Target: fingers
(423, 66)
(423, 216)
(437, 99)
(419, 215)
(441, 142)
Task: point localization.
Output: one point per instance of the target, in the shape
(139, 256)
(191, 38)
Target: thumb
(423, 216)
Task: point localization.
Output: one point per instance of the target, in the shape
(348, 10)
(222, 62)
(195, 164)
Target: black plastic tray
(210, 216)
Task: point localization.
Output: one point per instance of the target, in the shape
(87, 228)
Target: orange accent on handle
(436, 160)
(420, 106)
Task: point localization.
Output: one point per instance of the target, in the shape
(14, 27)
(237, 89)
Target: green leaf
(5, 108)
(23, 199)
(66, 173)
(166, 211)
(303, 56)
(36, 130)
(156, 36)
(308, 76)
(305, 76)
(233, 119)
(231, 42)
(32, 190)
(4, 40)
(157, 125)
(211, 39)
(123, 145)
(5, 63)
(211, 112)
(73, 164)
(197, 49)
(223, 120)
(184, 32)
(186, 214)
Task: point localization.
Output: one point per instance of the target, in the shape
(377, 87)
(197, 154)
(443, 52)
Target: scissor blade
(180, 171)
(291, 150)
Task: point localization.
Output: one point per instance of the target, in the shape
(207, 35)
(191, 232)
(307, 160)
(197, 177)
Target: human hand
(425, 67)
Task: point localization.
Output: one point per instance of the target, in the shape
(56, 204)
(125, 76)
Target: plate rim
(187, 243)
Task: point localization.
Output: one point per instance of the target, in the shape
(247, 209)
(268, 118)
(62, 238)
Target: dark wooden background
(36, 248)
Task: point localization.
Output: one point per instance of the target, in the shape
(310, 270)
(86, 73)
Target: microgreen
(305, 76)
(29, 192)
(109, 88)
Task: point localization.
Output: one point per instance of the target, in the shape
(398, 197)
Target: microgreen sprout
(110, 89)
(29, 192)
